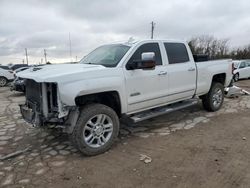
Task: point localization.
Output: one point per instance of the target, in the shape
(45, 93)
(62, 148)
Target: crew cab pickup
(128, 81)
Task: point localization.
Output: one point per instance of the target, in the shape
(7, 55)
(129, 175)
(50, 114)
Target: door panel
(182, 80)
(145, 88)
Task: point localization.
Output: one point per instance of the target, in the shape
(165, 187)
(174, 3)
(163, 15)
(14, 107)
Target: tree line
(217, 48)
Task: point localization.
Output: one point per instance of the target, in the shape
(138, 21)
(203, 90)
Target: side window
(242, 65)
(176, 52)
(149, 47)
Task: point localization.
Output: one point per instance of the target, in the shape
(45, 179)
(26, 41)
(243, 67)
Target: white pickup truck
(125, 81)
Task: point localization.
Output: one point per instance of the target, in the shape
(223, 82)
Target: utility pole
(152, 29)
(45, 56)
(26, 54)
(70, 52)
(76, 58)
(23, 61)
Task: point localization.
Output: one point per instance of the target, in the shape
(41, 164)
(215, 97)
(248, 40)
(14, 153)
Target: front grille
(52, 97)
(34, 93)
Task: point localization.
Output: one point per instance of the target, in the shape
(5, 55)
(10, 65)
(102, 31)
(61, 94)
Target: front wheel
(96, 129)
(213, 100)
(3, 81)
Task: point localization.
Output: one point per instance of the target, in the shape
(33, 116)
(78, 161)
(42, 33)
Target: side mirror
(147, 62)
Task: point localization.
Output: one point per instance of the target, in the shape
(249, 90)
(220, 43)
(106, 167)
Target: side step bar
(141, 116)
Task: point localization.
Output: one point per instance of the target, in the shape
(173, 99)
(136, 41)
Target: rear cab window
(176, 53)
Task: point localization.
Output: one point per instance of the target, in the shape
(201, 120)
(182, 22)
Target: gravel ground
(188, 148)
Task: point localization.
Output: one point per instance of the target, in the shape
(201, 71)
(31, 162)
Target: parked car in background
(18, 85)
(242, 69)
(19, 70)
(6, 75)
(16, 66)
(4, 67)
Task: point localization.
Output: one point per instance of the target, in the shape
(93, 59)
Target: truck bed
(205, 71)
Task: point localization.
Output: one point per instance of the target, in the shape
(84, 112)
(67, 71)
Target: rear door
(181, 72)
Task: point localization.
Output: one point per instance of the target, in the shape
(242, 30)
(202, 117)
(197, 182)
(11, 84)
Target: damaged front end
(43, 105)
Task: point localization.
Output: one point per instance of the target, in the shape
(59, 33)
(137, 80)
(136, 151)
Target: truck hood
(56, 73)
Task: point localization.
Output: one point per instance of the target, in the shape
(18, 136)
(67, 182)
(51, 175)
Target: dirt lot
(189, 148)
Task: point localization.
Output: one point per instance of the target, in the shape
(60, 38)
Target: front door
(146, 88)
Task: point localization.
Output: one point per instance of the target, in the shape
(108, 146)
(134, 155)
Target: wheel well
(110, 98)
(221, 78)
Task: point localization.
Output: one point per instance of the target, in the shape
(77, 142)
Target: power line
(70, 52)
(26, 54)
(152, 29)
(45, 56)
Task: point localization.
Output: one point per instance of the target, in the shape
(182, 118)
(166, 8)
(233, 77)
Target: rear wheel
(236, 77)
(96, 129)
(213, 100)
(3, 81)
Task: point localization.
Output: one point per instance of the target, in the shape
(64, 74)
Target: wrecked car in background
(242, 69)
(129, 81)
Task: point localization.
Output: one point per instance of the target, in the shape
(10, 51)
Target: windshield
(108, 55)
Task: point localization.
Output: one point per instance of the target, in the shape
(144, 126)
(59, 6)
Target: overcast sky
(45, 24)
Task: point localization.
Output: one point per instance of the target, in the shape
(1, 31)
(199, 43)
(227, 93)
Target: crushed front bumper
(30, 114)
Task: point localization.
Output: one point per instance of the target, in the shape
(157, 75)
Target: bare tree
(206, 44)
(241, 53)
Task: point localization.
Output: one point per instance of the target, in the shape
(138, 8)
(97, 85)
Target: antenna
(152, 29)
(70, 53)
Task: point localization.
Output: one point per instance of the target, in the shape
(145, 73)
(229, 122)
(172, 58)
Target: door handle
(162, 73)
(191, 69)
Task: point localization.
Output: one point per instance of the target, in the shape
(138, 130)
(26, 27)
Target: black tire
(87, 114)
(3, 81)
(236, 77)
(209, 101)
